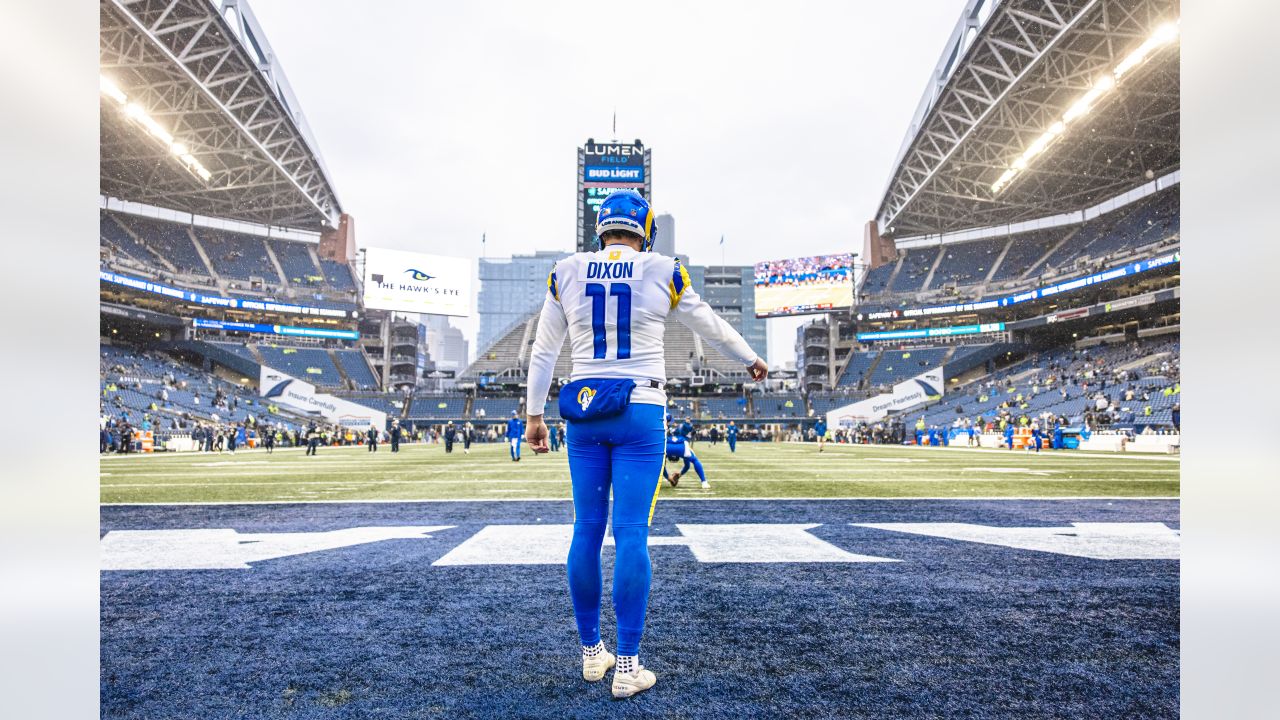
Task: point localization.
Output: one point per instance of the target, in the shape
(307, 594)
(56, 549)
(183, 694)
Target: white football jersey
(614, 304)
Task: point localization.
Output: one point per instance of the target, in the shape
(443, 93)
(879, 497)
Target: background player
(820, 429)
(515, 431)
(731, 434)
(613, 303)
(679, 449)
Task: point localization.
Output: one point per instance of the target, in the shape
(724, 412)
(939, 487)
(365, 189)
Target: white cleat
(625, 685)
(706, 486)
(594, 668)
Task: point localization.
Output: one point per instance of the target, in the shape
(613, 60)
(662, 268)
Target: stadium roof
(1039, 107)
(197, 116)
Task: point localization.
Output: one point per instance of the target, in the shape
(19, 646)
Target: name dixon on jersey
(608, 271)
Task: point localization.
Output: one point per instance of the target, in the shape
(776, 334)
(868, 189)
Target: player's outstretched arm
(535, 433)
(698, 316)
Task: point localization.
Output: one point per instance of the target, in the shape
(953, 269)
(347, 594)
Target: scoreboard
(602, 169)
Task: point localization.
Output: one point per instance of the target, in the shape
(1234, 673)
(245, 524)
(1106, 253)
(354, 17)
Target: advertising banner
(921, 388)
(275, 329)
(951, 331)
(417, 282)
(282, 388)
(233, 303)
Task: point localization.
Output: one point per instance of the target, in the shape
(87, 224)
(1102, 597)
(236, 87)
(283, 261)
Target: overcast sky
(774, 124)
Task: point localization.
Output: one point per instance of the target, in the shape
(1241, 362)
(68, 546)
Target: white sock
(628, 664)
(590, 651)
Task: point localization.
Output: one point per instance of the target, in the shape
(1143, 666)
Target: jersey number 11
(600, 344)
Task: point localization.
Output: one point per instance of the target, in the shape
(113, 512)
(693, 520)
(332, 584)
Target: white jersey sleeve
(552, 326)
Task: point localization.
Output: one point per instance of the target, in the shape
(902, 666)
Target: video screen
(800, 286)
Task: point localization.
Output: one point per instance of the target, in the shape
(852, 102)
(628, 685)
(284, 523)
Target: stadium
(992, 527)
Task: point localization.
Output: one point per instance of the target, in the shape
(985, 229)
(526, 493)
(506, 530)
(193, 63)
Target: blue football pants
(697, 466)
(625, 453)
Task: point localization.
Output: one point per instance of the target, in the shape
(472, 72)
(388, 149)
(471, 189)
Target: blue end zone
(956, 629)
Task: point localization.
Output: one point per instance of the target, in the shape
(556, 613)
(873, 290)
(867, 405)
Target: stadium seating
(855, 372)
(915, 270)
(337, 275)
(824, 401)
(1038, 383)
(424, 407)
(132, 381)
(239, 349)
(1025, 249)
(1103, 240)
(877, 280)
(114, 236)
(967, 263)
(237, 256)
(392, 404)
(168, 240)
(493, 409)
(779, 406)
(898, 365)
(295, 260)
(720, 407)
(310, 364)
(357, 368)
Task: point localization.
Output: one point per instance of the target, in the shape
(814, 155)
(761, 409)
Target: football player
(515, 432)
(678, 449)
(613, 304)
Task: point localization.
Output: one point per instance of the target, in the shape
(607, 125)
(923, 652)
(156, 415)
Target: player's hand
(535, 433)
(758, 369)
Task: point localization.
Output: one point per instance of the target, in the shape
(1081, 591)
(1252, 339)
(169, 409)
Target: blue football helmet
(626, 210)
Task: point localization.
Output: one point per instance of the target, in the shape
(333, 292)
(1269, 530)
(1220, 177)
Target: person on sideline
(613, 304)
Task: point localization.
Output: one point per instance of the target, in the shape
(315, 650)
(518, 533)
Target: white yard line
(565, 482)
(694, 498)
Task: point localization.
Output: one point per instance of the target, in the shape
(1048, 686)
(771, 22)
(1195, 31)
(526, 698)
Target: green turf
(425, 472)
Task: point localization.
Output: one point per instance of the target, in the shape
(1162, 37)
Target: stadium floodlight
(139, 115)
(111, 90)
(1163, 35)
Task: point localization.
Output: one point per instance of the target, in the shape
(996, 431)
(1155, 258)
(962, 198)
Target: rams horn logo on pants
(585, 395)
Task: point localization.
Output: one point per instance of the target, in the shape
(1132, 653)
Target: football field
(873, 583)
(756, 470)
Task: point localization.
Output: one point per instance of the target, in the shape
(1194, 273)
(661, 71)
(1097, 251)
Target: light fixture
(1161, 36)
(139, 115)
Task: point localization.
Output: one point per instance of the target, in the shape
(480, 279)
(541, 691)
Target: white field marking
(497, 455)
(238, 463)
(216, 549)
(746, 543)
(1015, 470)
(284, 500)
(1083, 455)
(1100, 541)
(898, 460)
(918, 466)
(565, 481)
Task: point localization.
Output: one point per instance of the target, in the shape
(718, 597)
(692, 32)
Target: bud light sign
(615, 174)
